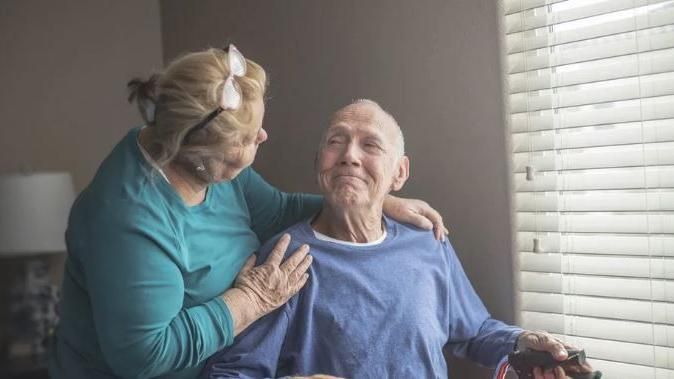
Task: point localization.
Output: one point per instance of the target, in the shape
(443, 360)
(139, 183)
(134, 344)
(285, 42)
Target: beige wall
(63, 69)
(433, 64)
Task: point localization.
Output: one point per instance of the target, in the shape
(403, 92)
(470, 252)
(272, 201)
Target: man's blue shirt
(378, 311)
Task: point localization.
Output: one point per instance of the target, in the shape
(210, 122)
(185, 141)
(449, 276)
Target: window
(590, 102)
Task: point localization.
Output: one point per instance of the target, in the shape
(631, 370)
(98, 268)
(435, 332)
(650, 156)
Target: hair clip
(231, 97)
(231, 91)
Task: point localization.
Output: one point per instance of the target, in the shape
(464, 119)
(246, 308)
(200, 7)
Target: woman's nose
(261, 136)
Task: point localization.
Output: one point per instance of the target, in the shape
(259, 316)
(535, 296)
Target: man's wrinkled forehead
(360, 114)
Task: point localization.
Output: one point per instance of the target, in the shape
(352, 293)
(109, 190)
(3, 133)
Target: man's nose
(351, 155)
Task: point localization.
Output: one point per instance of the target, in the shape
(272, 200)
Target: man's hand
(543, 341)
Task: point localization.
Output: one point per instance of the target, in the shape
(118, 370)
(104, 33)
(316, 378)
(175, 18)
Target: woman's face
(240, 157)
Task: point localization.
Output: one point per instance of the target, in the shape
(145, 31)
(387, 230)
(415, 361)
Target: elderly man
(383, 298)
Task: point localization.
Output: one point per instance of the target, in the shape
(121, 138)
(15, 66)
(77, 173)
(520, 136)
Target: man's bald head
(365, 108)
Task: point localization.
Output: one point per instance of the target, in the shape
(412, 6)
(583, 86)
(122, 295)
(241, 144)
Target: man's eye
(372, 146)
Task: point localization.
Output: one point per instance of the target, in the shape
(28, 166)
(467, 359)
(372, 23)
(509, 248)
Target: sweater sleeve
(473, 334)
(271, 210)
(255, 353)
(136, 292)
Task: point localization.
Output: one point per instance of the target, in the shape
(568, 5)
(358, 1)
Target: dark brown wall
(63, 69)
(433, 64)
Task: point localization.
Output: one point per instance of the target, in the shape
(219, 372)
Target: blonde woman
(160, 273)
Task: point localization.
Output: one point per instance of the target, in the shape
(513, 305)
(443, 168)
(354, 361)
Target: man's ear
(401, 174)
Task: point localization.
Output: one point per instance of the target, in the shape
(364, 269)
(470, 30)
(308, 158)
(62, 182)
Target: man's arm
(255, 352)
(473, 334)
(480, 338)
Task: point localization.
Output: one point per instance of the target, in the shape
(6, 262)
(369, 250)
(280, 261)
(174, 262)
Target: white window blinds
(590, 96)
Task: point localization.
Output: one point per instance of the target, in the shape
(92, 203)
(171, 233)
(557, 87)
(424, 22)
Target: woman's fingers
(276, 255)
(250, 263)
(417, 219)
(295, 259)
(301, 268)
(438, 227)
(300, 284)
(435, 218)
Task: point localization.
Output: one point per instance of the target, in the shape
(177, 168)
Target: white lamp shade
(34, 212)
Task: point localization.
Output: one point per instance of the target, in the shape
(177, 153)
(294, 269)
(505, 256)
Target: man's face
(359, 163)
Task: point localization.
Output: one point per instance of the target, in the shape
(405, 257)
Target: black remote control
(524, 361)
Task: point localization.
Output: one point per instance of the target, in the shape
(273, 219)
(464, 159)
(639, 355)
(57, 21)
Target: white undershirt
(323, 237)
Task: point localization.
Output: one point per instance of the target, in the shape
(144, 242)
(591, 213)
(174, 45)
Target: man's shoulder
(299, 234)
(404, 230)
(421, 239)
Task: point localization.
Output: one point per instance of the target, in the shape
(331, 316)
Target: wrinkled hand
(544, 341)
(273, 283)
(259, 290)
(415, 212)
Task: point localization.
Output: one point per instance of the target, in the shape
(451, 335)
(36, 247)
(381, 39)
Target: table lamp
(34, 211)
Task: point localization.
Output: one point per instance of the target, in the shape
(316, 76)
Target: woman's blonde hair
(181, 96)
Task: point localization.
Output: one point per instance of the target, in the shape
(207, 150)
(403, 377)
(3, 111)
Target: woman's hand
(259, 290)
(415, 212)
